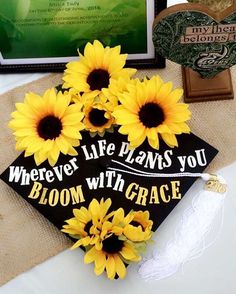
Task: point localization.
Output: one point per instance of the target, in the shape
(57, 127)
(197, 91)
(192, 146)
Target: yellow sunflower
(140, 228)
(45, 126)
(150, 109)
(114, 252)
(98, 116)
(87, 223)
(95, 68)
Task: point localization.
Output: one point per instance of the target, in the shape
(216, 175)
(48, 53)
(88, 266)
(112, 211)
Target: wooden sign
(204, 43)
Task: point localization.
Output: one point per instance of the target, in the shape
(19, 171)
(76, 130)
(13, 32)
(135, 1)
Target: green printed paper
(56, 28)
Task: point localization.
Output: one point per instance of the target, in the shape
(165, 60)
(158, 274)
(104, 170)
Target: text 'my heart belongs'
(196, 37)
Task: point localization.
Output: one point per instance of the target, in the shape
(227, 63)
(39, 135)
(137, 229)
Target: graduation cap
(141, 179)
(103, 172)
(107, 168)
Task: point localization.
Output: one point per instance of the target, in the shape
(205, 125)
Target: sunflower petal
(100, 260)
(25, 132)
(153, 139)
(125, 117)
(62, 144)
(21, 123)
(77, 244)
(39, 157)
(128, 252)
(72, 119)
(128, 103)
(90, 255)
(99, 54)
(175, 96)
(53, 154)
(138, 141)
(170, 140)
(71, 132)
(110, 267)
(120, 267)
(164, 91)
(72, 151)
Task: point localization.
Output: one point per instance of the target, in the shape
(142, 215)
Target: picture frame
(43, 35)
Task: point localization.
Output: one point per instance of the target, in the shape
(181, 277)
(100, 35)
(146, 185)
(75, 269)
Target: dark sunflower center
(97, 118)
(136, 224)
(87, 227)
(112, 245)
(151, 115)
(49, 127)
(98, 79)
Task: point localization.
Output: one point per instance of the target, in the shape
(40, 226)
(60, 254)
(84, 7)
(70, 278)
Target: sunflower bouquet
(98, 93)
(111, 240)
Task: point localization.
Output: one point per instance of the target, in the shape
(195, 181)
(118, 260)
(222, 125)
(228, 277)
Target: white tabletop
(213, 272)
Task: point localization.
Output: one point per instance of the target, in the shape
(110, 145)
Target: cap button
(104, 162)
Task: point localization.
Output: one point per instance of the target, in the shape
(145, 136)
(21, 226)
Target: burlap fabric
(26, 237)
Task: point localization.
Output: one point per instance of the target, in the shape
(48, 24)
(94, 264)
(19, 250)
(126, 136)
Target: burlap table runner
(26, 237)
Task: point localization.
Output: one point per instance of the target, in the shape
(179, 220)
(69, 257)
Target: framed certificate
(43, 35)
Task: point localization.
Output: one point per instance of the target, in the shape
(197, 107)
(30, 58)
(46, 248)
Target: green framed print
(46, 34)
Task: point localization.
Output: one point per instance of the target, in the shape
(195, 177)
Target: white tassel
(190, 236)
